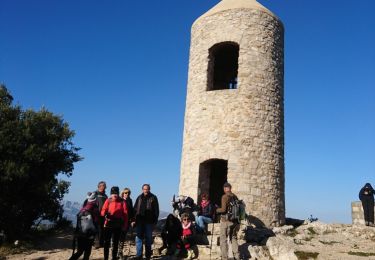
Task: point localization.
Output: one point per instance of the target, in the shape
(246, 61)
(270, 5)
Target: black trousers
(114, 235)
(368, 209)
(84, 247)
(100, 235)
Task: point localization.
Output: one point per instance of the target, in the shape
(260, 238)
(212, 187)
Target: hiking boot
(190, 254)
(371, 224)
(366, 223)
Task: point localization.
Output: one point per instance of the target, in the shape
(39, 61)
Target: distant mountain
(71, 209)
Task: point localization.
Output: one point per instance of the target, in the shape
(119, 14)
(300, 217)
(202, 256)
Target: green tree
(35, 147)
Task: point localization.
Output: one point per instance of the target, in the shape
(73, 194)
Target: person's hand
(132, 224)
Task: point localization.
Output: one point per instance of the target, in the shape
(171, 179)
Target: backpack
(236, 210)
(112, 221)
(85, 224)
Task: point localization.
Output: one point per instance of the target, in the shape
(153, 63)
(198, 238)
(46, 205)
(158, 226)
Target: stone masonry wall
(246, 125)
(357, 213)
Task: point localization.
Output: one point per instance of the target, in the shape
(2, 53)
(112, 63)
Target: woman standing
(125, 195)
(116, 220)
(366, 195)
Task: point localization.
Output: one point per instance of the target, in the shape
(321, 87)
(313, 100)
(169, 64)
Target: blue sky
(117, 72)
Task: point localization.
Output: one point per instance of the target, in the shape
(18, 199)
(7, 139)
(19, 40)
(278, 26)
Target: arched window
(223, 66)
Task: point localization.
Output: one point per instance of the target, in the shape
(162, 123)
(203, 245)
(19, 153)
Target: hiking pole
(212, 235)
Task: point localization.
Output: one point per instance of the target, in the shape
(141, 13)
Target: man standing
(101, 197)
(227, 227)
(146, 210)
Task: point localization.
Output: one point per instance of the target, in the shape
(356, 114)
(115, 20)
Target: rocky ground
(314, 240)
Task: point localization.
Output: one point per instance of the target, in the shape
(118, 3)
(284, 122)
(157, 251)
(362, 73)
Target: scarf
(204, 203)
(186, 226)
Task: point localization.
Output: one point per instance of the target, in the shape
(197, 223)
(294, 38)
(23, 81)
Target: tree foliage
(35, 147)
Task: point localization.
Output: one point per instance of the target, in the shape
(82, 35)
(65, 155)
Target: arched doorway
(212, 176)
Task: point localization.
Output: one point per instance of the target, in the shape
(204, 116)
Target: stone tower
(234, 117)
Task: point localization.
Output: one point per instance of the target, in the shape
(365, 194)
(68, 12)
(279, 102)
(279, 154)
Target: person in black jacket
(366, 195)
(101, 197)
(146, 213)
(171, 234)
(125, 195)
(205, 213)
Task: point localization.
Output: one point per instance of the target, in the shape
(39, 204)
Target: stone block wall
(357, 213)
(244, 126)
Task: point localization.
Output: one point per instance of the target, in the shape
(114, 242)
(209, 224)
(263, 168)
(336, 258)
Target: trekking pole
(212, 235)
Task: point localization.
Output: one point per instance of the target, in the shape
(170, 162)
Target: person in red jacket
(116, 219)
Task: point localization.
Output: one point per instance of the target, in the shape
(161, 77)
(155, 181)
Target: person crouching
(187, 238)
(171, 234)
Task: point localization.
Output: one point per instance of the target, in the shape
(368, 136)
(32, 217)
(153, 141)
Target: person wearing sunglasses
(125, 195)
(187, 238)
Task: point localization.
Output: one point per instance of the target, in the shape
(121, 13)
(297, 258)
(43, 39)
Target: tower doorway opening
(213, 174)
(223, 66)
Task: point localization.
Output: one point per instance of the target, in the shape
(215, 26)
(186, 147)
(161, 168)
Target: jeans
(201, 222)
(144, 231)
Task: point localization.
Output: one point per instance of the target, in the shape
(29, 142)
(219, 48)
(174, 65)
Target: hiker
(184, 204)
(171, 234)
(227, 228)
(205, 213)
(125, 195)
(115, 213)
(187, 238)
(85, 239)
(101, 197)
(366, 195)
(146, 212)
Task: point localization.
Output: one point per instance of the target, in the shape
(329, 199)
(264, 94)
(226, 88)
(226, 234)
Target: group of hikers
(104, 222)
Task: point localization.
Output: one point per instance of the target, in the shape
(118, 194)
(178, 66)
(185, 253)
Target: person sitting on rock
(366, 195)
(187, 238)
(205, 213)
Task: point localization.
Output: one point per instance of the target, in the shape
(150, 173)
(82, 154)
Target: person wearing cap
(125, 195)
(227, 228)
(146, 213)
(85, 243)
(101, 197)
(366, 195)
(115, 213)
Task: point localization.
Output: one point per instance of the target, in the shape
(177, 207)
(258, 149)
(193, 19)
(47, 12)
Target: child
(187, 237)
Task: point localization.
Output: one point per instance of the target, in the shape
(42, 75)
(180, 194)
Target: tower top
(224, 5)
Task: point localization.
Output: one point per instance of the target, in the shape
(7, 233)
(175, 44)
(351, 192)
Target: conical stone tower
(234, 118)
